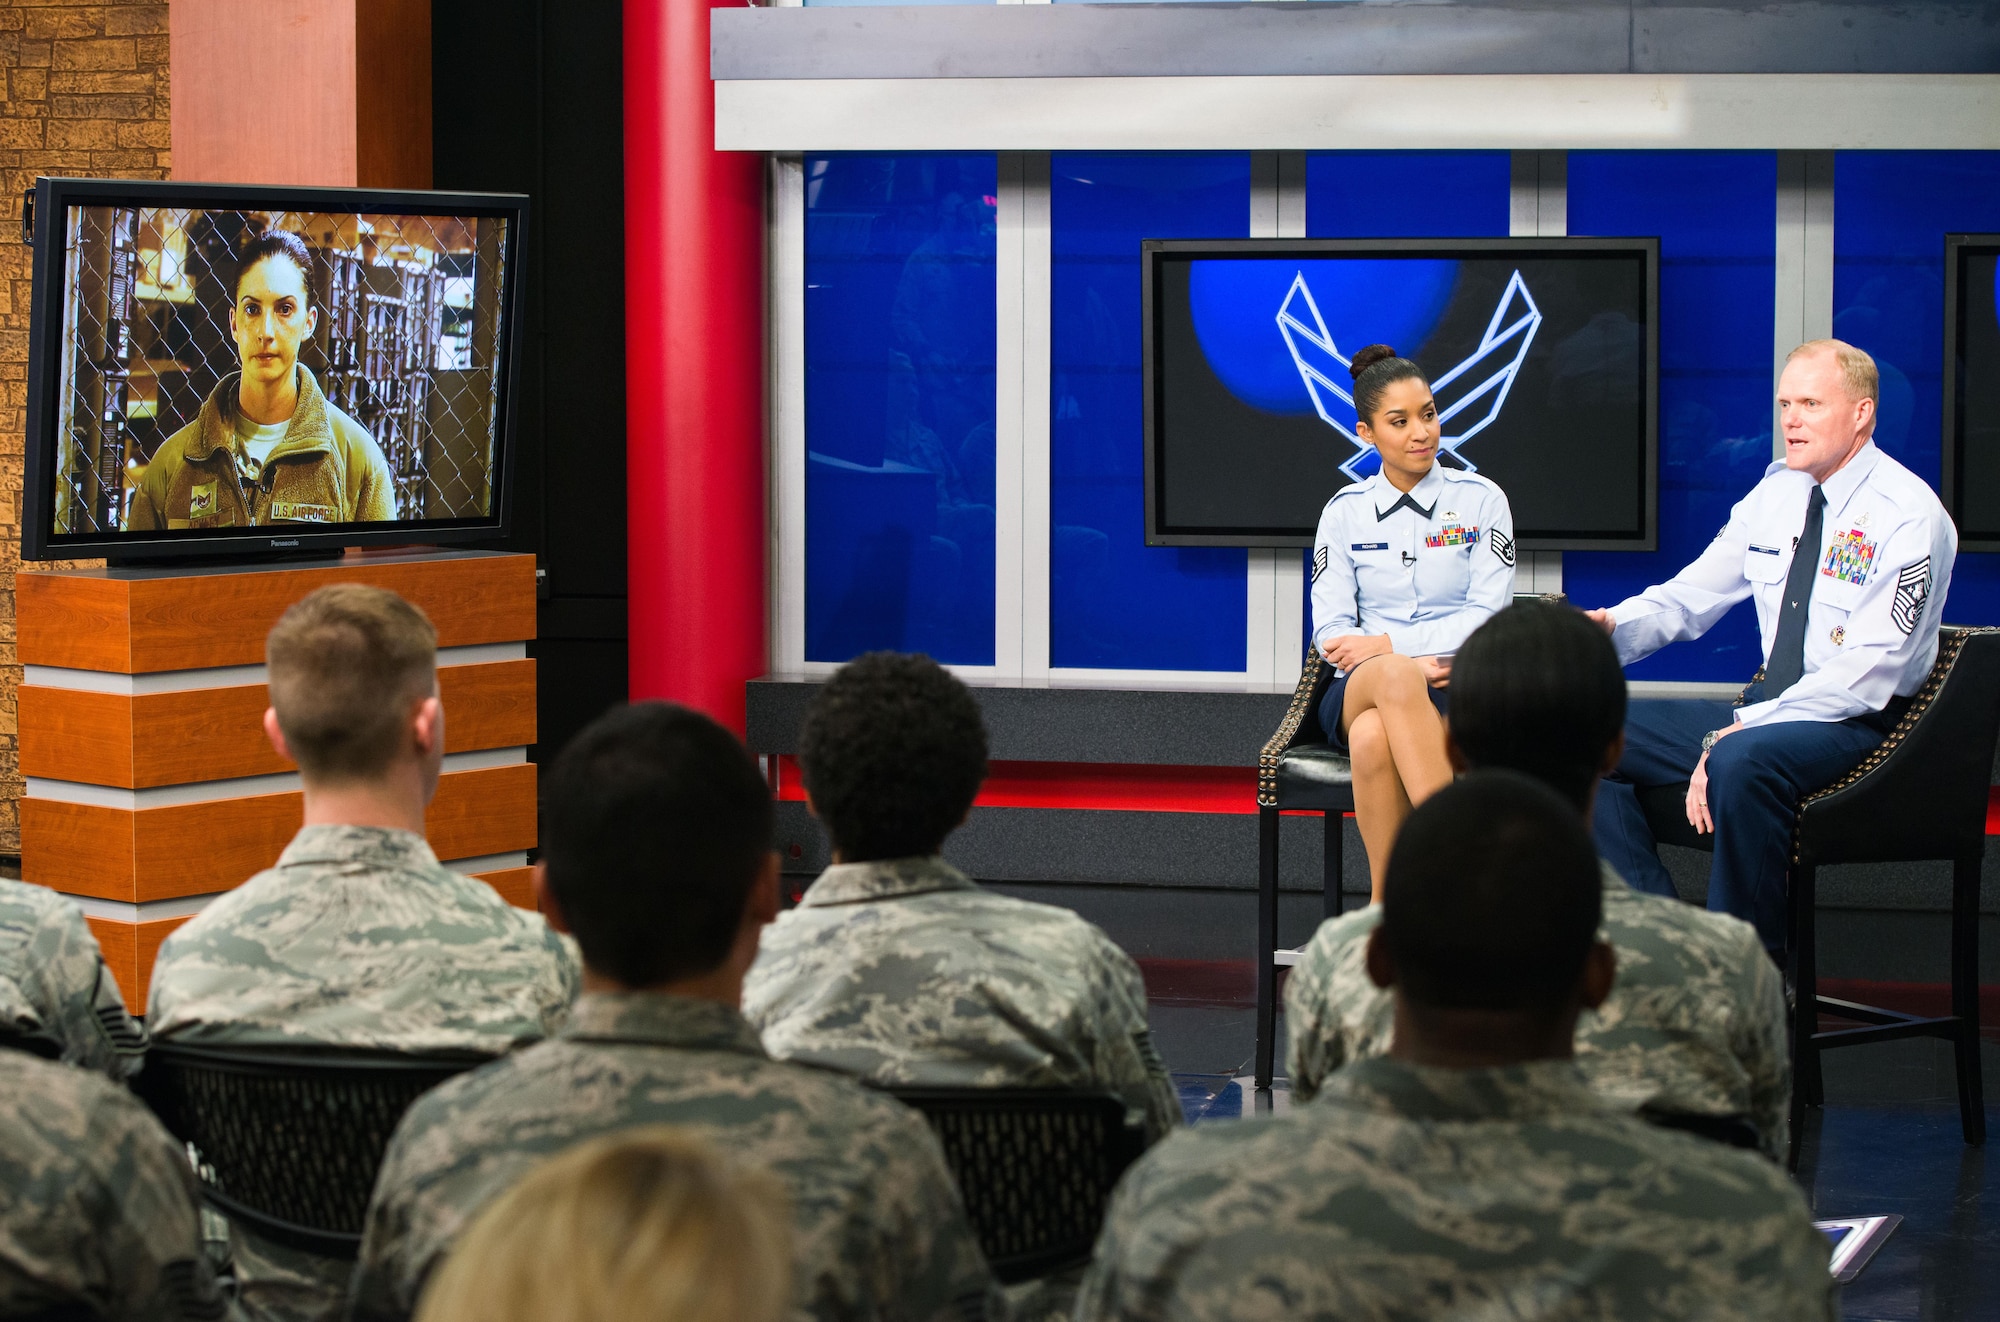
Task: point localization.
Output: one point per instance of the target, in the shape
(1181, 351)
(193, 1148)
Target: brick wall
(85, 94)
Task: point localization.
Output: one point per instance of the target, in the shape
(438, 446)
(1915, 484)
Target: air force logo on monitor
(1469, 396)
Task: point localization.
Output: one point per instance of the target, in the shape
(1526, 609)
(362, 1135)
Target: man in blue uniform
(1848, 556)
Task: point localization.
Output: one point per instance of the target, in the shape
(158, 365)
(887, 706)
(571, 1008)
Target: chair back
(288, 1142)
(1035, 1168)
(1923, 793)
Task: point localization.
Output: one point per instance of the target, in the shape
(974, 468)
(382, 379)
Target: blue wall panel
(1408, 194)
(1891, 212)
(1115, 602)
(1716, 216)
(899, 405)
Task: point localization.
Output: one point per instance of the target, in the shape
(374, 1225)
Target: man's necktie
(1788, 652)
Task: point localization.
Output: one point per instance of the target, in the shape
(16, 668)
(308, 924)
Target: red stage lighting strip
(1121, 787)
(1104, 786)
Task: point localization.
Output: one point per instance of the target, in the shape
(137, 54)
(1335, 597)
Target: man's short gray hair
(1857, 369)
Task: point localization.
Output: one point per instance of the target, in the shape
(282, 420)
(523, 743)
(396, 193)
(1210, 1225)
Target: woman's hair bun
(1367, 358)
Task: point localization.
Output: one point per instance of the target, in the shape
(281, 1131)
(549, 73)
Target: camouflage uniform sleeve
(389, 1272)
(1313, 1048)
(1763, 1045)
(1127, 1053)
(925, 1265)
(139, 1209)
(79, 990)
(1115, 1286)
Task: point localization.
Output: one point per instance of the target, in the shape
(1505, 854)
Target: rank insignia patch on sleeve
(1913, 588)
(1319, 563)
(1503, 546)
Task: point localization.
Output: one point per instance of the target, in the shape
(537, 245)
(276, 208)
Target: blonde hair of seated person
(647, 1223)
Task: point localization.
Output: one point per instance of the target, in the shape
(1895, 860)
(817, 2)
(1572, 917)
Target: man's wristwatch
(1708, 741)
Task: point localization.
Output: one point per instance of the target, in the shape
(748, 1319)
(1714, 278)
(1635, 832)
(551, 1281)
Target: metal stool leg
(1965, 996)
(1267, 942)
(1802, 958)
(1333, 896)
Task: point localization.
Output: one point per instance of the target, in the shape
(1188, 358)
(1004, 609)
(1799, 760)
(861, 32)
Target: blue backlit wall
(1715, 215)
(1891, 211)
(1114, 602)
(899, 405)
(902, 359)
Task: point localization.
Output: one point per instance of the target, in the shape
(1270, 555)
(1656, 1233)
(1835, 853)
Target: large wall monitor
(1542, 354)
(1972, 388)
(234, 370)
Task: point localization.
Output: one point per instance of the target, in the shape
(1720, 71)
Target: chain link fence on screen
(400, 335)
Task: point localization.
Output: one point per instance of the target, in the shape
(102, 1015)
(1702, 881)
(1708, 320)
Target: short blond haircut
(1857, 370)
(348, 664)
(645, 1223)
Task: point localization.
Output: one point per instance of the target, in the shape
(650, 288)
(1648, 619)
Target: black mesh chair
(1298, 770)
(288, 1142)
(1035, 1167)
(1920, 797)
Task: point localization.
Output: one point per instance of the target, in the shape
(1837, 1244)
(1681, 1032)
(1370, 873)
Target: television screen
(1541, 354)
(247, 370)
(1972, 389)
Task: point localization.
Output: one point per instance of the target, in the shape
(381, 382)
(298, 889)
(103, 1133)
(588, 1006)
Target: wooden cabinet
(150, 784)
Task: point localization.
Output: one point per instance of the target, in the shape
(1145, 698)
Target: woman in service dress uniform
(1406, 565)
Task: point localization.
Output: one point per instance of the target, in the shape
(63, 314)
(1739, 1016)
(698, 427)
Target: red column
(694, 356)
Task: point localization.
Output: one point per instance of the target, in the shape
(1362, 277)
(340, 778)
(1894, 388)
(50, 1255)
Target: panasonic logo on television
(284, 541)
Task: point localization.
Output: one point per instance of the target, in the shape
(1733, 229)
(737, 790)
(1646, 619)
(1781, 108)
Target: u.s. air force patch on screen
(291, 511)
(201, 500)
(1913, 588)
(1319, 563)
(1503, 546)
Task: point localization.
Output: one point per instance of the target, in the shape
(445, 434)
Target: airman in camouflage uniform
(359, 939)
(100, 1209)
(1472, 1172)
(1695, 1023)
(904, 971)
(54, 987)
(1407, 1192)
(880, 1230)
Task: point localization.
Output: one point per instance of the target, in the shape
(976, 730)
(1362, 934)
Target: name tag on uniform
(1369, 546)
(290, 511)
(201, 500)
(1765, 550)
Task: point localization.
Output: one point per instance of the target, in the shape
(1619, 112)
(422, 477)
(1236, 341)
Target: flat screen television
(1972, 388)
(1542, 354)
(219, 370)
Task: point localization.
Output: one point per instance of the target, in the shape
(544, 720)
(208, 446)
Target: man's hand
(1350, 650)
(1603, 620)
(1437, 670)
(1697, 801)
(1699, 817)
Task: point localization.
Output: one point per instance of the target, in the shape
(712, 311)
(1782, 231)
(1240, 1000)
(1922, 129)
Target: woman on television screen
(1407, 563)
(267, 446)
